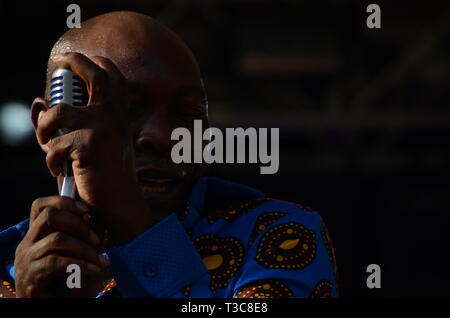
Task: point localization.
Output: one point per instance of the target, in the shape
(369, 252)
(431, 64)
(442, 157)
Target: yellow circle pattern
(265, 289)
(287, 246)
(221, 256)
(322, 290)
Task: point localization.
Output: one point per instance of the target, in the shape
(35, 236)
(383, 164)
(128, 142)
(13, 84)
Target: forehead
(144, 59)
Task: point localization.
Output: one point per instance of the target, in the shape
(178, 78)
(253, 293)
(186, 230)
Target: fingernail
(92, 268)
(94, 238)
(56, 56)
(103, 260)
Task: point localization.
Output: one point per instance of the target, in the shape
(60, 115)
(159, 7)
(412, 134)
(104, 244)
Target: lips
(156, 180)
(155, 184)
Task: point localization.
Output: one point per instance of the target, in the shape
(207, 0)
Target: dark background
(363, 116)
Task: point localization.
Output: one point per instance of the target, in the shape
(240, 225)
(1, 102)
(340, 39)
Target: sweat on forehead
(129, 39)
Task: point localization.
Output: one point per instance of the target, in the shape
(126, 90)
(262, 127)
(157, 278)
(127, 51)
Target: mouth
(155, 185)
(156, 181)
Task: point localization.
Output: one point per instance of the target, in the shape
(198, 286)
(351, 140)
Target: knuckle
(51, 262)
(58, 238)
(82, 154)
(38, 277)
(74, 57)
(18, 273)
(101, 59)
(52, 156)
(49, 157)
(104, 58)
(53, 143)
(82, 147)
(18, 252)
(36, 205)
(45, 213)
(40, 137)
(71, 55)
(31, 290)
(38, 271)
(50, 216)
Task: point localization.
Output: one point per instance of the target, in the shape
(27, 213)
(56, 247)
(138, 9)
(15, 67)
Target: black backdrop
(362, 116)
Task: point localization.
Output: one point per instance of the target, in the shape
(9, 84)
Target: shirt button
(150, 271)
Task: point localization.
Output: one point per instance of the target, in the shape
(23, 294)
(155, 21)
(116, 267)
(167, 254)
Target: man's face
(166, 92)
(164, 96)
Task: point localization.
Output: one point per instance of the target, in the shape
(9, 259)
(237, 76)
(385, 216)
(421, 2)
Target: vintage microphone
(67, 88)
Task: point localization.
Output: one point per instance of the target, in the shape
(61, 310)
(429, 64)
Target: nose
(153, 134)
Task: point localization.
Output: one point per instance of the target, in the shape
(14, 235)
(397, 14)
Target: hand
(57, 237)
(99, 144)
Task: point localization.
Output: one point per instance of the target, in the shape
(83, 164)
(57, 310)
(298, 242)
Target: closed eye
(198, 111)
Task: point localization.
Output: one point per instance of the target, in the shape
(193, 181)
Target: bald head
(133, 41)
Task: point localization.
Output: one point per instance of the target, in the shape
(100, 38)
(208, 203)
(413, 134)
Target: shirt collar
(211, 193)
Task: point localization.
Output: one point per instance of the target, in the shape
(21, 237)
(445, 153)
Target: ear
(39, 104)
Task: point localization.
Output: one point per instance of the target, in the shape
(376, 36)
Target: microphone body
(67, 88)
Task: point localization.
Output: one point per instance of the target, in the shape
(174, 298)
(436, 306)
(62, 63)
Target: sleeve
(9, 239)
(291, 257)
(158, 263)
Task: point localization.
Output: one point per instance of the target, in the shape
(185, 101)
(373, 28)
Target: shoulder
(236, 211)
(255, 216)
(230, 202)
(265, 234)
(262, 207)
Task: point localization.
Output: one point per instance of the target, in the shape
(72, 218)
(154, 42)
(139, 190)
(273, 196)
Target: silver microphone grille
(67, 88)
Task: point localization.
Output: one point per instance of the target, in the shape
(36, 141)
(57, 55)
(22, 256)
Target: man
(142, 226)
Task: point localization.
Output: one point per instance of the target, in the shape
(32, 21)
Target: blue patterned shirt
(229, 241)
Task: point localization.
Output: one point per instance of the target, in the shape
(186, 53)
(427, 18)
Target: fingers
(57, 213)
(60, 149)
(39, 105)
(66, 245)
(61, 115)
(52, 220)
(109, 67)
(95, 71)
(58, 236)
(93, 75)
(37, 279)
(53, 265)
(59, 203)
